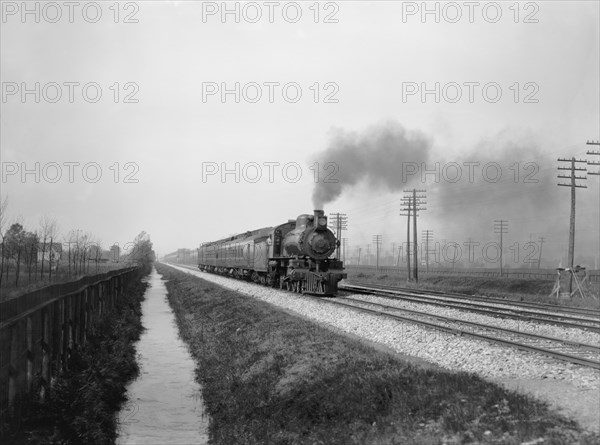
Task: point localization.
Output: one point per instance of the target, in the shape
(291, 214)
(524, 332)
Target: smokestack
(320, 220)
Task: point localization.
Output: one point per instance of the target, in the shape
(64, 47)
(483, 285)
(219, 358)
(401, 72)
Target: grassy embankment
(269, 377)
(519, 289)
(81, 407)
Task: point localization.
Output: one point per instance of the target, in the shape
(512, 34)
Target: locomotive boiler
(296, 256)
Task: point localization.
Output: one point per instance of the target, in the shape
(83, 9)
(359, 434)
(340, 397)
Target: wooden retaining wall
(39, 330)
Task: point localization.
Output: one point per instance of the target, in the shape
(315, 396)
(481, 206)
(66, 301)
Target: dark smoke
(374, 156)
(526, 195)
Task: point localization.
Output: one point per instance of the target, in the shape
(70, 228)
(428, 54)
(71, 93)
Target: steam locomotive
(293, 256)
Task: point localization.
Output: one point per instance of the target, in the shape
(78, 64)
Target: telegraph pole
(541, 241)
(427, 236)
(500, 227)
(530, 244)
(416, 201)
(415, 234)
(573, 184)
(359, 249)
(344, 247)
(593, 153)
(377, 241)
(341, 224)
(411, 202)
(406, 207)
(595, 163)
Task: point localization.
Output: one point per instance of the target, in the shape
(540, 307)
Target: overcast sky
(529, 93)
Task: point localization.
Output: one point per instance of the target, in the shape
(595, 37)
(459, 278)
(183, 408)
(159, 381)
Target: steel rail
(558, 355)
(541, 306)
(482, 309)
(587, 346)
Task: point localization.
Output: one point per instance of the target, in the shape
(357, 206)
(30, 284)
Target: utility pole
(597, 173)
(399, 255)
(541, 241)
(368, 254)
(344, 247)
(416, 202)
(573, 186)
(415, 248)
(377, 241)
(530, 244)
(406, 204)
(593, 153)
(359, 249)
(427, 236)
(500, 227)
(341, 224)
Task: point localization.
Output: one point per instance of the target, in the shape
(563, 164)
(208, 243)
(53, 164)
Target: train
(295, 256)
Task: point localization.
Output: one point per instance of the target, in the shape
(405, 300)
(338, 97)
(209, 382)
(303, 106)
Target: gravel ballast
(532, 327)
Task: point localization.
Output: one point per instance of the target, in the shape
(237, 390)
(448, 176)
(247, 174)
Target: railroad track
(561, 349)
(565, 350)
(504, 309)
(594, 313)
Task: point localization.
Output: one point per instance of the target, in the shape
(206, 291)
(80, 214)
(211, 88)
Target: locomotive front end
(311, 244)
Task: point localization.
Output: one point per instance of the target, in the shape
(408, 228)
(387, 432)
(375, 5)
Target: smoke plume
(510, 176)
(374, 157)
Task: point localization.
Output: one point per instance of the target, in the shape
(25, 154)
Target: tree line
(42, 253)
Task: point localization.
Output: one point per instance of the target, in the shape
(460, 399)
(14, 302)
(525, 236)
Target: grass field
(270, 377)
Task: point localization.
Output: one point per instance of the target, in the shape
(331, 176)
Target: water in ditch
(164, 403)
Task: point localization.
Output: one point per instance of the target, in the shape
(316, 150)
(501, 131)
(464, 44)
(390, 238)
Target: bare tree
(47, 232)
(51, 259)
(98, 247)
(84, 243)
(69, 241)
(4, 251)
(15, 244)
(30, 249)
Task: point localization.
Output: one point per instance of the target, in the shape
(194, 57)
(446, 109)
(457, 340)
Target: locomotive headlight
(322, 221)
